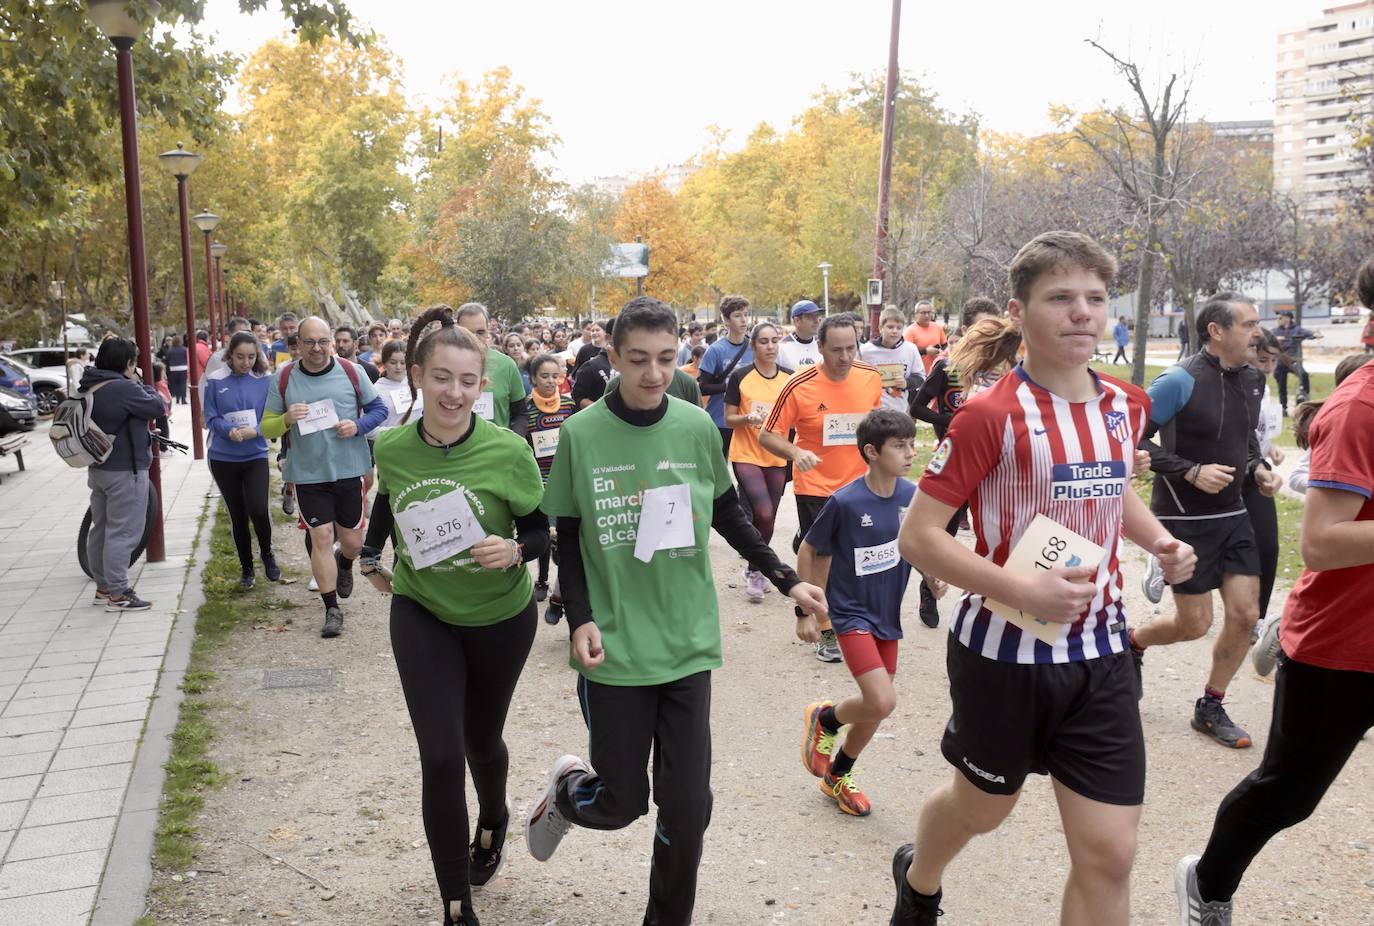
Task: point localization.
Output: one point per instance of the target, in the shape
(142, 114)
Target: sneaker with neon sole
(846, 794)
(817, 745)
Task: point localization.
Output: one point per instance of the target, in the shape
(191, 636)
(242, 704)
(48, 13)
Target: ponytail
(420, 345)
(990, 344)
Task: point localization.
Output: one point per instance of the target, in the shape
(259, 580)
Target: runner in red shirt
(1324, 697)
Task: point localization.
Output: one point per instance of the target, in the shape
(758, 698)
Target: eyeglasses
(316, 342)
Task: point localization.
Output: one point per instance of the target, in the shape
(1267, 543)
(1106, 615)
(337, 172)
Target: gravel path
(328, 781)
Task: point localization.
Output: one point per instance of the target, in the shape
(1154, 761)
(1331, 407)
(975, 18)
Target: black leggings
(244, 487)
(458, 683)
(760, 491)
(1264, 518)
(1319, 718)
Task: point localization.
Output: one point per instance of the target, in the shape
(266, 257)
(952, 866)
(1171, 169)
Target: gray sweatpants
(119, 512)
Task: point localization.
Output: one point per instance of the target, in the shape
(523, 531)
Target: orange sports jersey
(748, 389)
(825, 415)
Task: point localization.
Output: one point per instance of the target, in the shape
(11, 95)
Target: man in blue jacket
(122, 406)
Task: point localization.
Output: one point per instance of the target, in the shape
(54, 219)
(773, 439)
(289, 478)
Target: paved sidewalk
(76, 682)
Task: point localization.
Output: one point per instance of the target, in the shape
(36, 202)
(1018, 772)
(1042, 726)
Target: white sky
(632, 87)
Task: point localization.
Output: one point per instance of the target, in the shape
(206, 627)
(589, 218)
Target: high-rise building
(1324, 75)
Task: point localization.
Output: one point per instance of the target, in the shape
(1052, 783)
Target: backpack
(74, 434)
(284, 375)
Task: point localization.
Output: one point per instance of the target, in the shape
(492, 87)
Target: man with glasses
(328, 406)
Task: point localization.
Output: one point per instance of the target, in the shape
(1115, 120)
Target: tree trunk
(1144, 295)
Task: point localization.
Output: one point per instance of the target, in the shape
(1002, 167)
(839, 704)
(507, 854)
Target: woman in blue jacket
(235, 395)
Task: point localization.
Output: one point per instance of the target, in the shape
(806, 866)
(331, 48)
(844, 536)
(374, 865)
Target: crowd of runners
(513, 466)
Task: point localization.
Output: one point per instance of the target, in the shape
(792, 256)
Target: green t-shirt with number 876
(659, 620)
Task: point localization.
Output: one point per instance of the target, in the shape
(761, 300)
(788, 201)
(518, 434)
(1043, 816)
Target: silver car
(49, 384)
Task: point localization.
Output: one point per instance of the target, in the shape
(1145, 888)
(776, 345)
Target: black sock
(345, 563)
(330, 599)
(841, 763)
(828, 721)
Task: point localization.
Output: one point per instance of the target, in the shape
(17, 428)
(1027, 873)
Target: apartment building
(1324, 71)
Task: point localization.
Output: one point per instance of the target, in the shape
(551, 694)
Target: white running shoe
(754, 584)
(545, 826)
(1153, 583)
(1193, 910)
(313, 586)
(1264, 655)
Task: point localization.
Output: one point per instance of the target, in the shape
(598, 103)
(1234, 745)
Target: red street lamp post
(219, 250)
(207, 222)
(122, 29)
(181, 164)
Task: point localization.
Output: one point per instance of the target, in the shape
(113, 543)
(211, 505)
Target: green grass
(190, 771)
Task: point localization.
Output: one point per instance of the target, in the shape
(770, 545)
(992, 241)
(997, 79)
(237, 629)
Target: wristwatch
(517, 552)
(797, 610)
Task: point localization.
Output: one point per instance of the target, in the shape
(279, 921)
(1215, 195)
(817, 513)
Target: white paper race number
(322, 416)
(871, 560)
(665, 521)
(545, 442)
(840, 430)
(1045, 545)
(486, 406)
(247, 418)
(439, 529)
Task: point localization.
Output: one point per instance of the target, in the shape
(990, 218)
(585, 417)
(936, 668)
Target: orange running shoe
(817, 745)
(846, 793)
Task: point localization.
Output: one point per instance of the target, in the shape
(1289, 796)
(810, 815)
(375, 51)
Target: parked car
(1349, 313)
(11, 377)
(44, 358)
(17, 412)
(49, 387)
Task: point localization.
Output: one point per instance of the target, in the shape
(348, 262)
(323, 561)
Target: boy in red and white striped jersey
(1051, 438)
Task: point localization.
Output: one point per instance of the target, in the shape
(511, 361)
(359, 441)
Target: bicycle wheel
(150, 520)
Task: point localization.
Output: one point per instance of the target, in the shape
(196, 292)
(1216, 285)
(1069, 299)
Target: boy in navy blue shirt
(852, 548)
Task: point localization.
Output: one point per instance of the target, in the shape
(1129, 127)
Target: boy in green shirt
(637, 483)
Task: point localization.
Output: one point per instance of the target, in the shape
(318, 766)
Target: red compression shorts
(864, 652)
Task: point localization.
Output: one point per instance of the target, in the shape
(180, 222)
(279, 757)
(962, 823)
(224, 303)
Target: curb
(123, 891)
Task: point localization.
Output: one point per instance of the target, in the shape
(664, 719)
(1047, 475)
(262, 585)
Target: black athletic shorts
(339, 502)
(808, 510)
(1077, 721)
(1223, 545)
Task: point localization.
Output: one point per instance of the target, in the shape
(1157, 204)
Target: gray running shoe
(1193, 910)
(1265, 654)
(545, 826)
(288, 500)
(828, 649)
(333, 623)
(1209, 717)
(1153, 583)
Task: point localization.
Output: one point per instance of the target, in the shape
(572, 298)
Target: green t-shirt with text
(496, 471)
(505, 385)
(659, 620)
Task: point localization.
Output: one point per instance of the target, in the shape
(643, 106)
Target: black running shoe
(911, 909)
(246, 580)
(930, 610)
(1209, 717)
(344, 583)
(127, 600)
(554, 612)
(486, 855)
(541, 591)
(270, 567)
(333, 623)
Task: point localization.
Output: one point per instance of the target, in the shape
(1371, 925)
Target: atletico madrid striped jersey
(1017, 451)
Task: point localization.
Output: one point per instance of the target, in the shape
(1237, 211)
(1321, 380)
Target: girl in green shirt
(460, 498)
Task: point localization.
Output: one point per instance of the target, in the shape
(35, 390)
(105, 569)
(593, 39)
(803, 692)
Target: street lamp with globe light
(824, 268)
(181, 163)
(113, 19)
(219, 250)
(207, 222)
